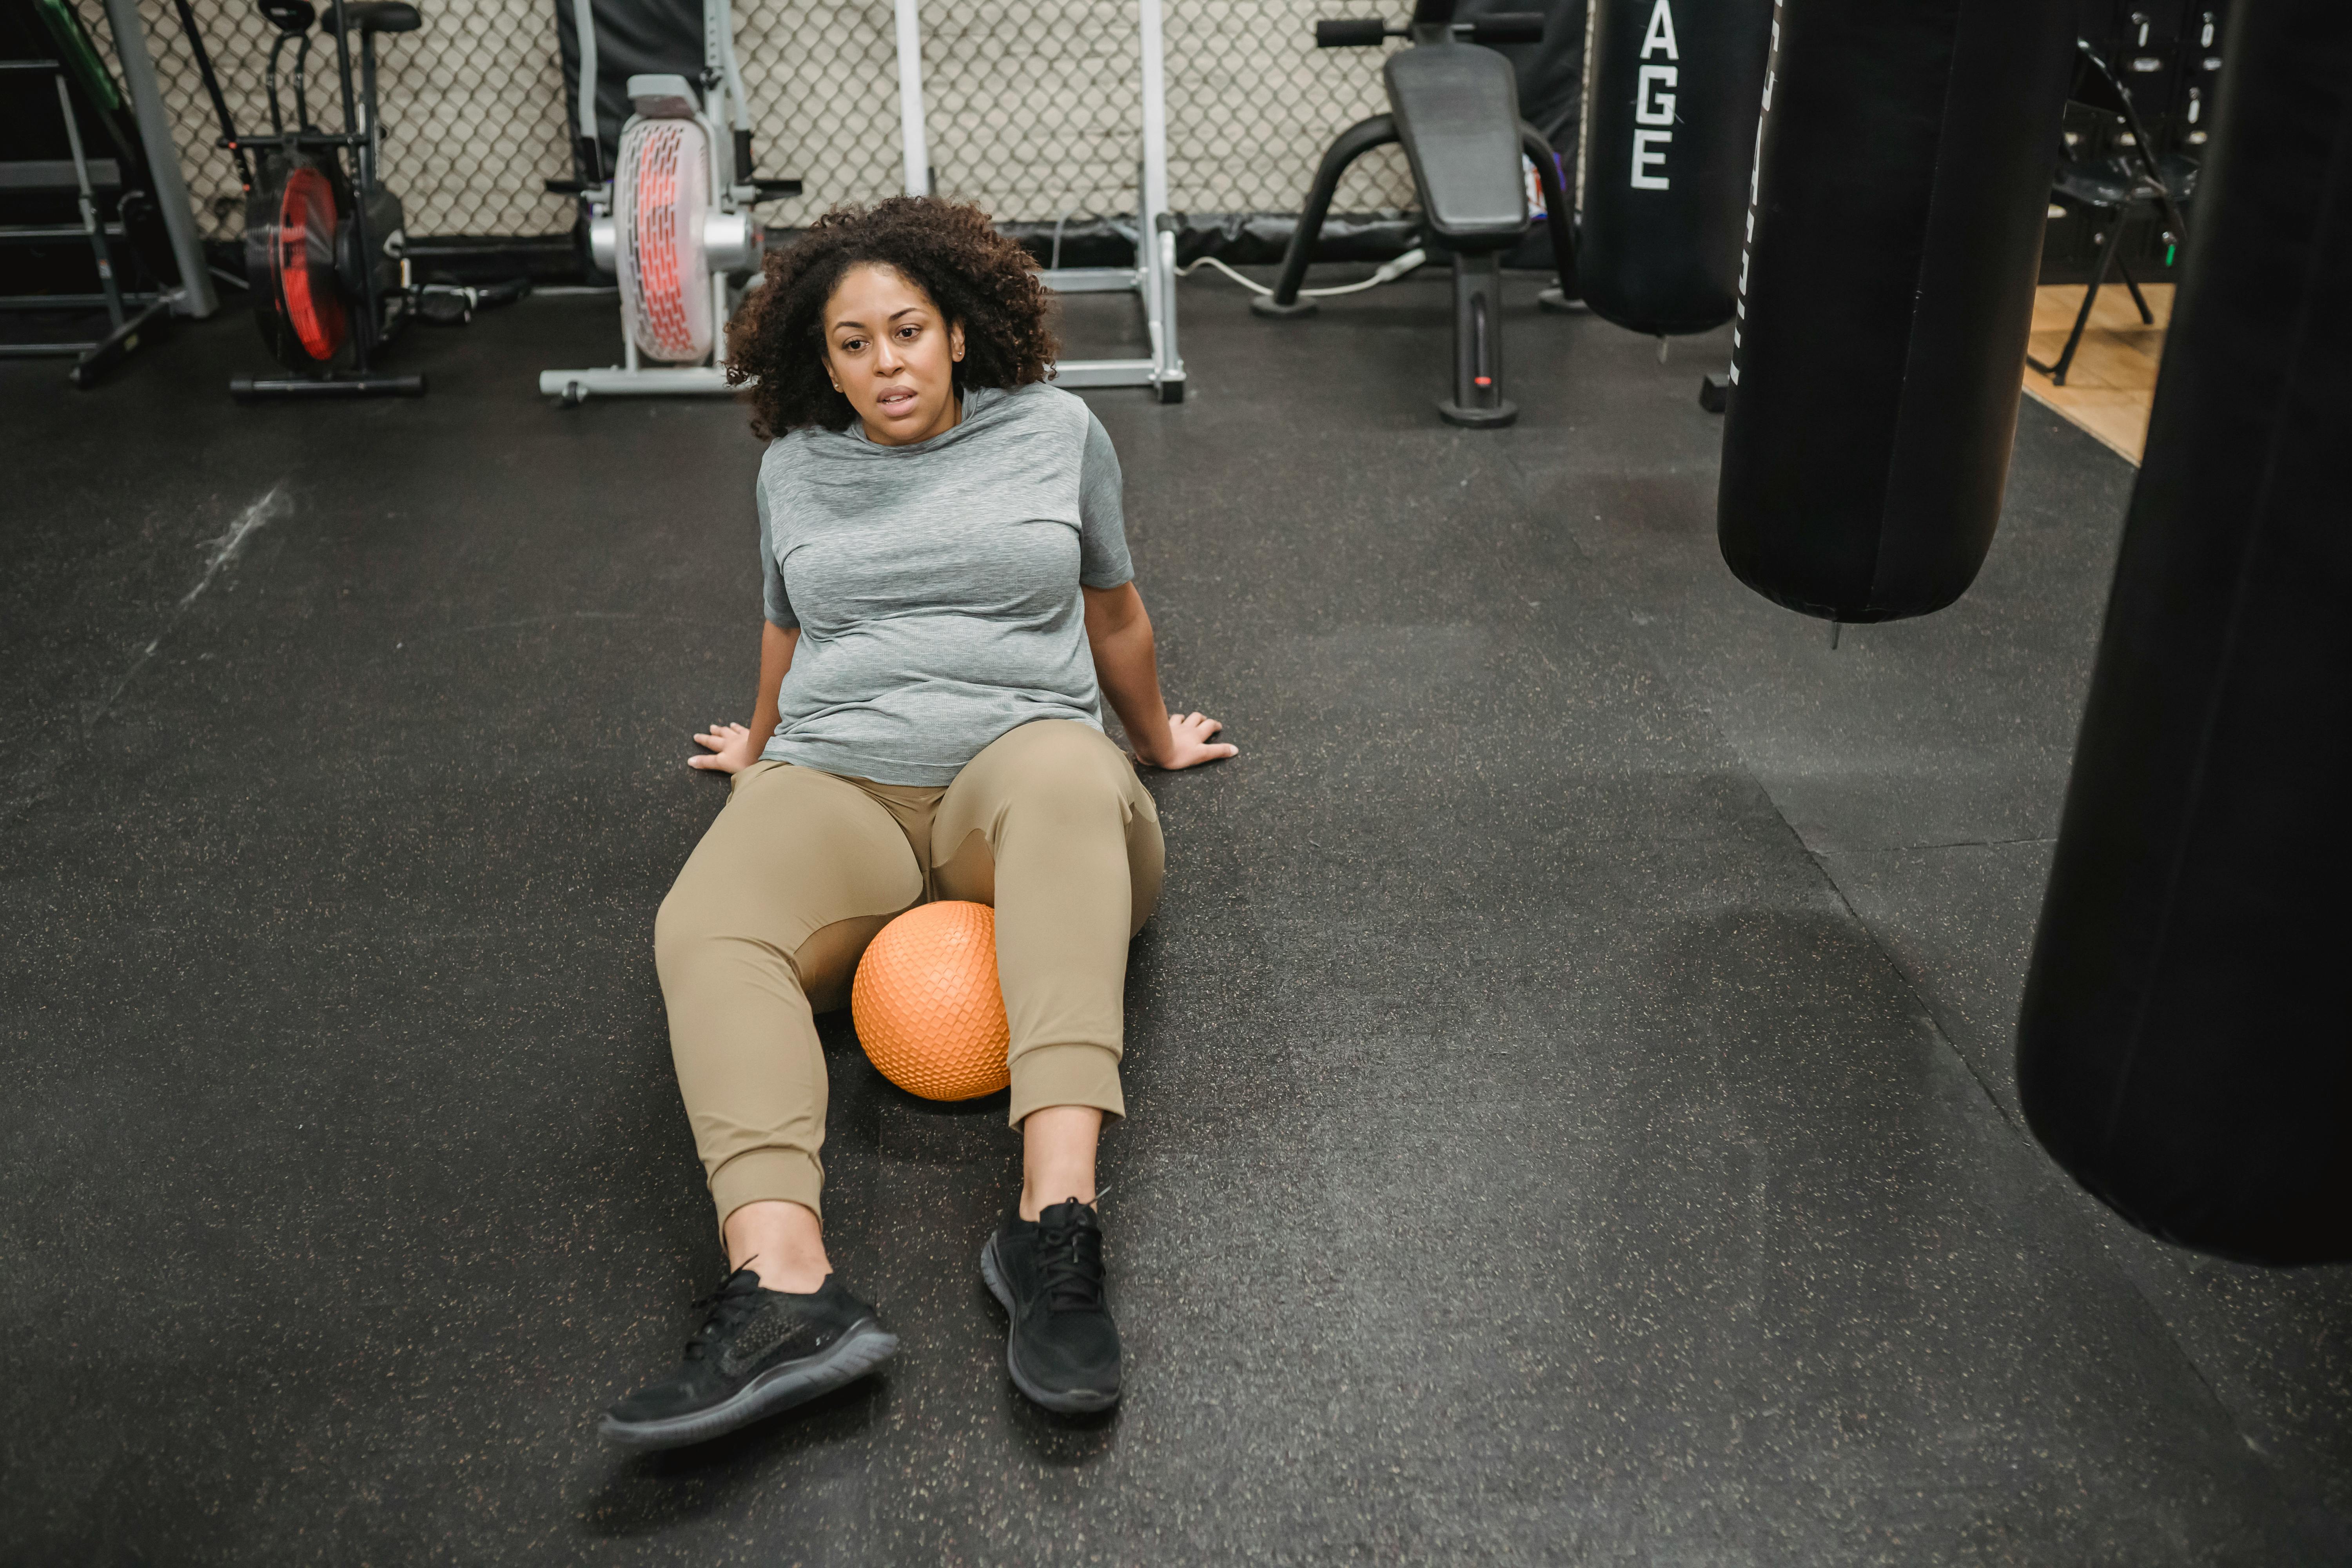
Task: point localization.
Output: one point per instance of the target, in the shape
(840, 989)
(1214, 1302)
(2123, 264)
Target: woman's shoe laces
(1069, 1257)
(726, 1308)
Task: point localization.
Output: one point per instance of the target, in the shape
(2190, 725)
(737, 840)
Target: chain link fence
(1033, 110)
(472, 106)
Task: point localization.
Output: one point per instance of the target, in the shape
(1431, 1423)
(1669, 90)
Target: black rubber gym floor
(1573, 1118)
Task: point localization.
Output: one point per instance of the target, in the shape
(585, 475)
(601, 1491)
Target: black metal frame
(373, 324)
(1477, 400)
(94, 359)
(2151, 190)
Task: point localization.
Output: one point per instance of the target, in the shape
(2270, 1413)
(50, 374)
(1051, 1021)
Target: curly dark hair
(981, 281)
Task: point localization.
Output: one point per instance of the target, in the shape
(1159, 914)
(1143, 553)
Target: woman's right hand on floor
(1191, 742)
(730, 748)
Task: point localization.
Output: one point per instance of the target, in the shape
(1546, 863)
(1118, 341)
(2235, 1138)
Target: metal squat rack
(133, 317)
(1153, 276)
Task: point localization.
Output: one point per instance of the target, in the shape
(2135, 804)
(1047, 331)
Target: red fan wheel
(303, 263)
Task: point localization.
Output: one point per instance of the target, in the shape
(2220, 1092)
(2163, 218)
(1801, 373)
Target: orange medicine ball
(926, 1005)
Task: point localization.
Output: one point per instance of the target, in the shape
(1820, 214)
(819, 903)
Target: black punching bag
(1675, 85)
(2185, 1046)
(1894, 235)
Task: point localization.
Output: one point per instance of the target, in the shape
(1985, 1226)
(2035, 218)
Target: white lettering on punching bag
(1755, 184)
(1654, 102)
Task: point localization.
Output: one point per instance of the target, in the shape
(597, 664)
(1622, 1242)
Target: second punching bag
(2183, 1047)
(1894, 235)
(1675, 90)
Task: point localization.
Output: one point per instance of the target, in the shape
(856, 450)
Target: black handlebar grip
(1508, 27)
(1352, 33)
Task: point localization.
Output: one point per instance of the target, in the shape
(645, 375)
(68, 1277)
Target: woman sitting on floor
(947, 598)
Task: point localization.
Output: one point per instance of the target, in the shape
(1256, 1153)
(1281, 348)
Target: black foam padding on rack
(1551, 96)
(633, 37)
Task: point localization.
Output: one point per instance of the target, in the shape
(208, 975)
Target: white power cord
(1055, 263)
(1388, 273)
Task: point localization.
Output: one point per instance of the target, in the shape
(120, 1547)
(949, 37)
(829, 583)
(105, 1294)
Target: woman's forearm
(1128, 668)
(776, 646)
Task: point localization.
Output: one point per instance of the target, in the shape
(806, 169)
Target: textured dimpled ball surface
(926, 1004)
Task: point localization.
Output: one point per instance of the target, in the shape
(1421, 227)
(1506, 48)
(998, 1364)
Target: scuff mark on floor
(273, 503)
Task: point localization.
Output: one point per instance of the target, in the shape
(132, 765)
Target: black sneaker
(1062, 1350)
(758, 1352)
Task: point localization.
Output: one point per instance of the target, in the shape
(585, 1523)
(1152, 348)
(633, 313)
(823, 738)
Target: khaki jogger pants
(764, 927)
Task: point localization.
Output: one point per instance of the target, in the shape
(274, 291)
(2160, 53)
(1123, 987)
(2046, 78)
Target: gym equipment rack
(134, 316)
(93, 359)
(1152, 278)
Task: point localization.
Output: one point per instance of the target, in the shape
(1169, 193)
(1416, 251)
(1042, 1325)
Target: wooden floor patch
(2112, 382)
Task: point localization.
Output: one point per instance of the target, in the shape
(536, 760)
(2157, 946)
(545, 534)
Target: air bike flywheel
(320, 310)
(294, 240)
(325, 243)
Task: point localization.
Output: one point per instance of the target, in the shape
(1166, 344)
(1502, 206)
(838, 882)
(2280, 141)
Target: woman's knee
(1059, 800)
(696, 918)
(679, 928)
(1063, 769)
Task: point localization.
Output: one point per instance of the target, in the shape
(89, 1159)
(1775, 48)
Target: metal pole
(195, 293)
(1172, 355)
(719, 15)
(99, 251)
(1154, 194)
(718, 61)
(1155, 249)
(369, 334)
(584, 22)
(917, 151)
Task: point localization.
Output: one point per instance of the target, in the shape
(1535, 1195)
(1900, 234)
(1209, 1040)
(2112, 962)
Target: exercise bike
(325, 242)
(672, 219)
(1456, 108)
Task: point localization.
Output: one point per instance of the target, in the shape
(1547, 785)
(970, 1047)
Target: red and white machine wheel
(661, 196)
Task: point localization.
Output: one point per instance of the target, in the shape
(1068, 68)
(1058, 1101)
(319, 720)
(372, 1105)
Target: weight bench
(1454, 106)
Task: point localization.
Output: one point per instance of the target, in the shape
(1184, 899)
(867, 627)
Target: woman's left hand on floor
(1190, 743)
(732, 749)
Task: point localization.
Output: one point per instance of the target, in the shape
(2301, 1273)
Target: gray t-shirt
(935, 585)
